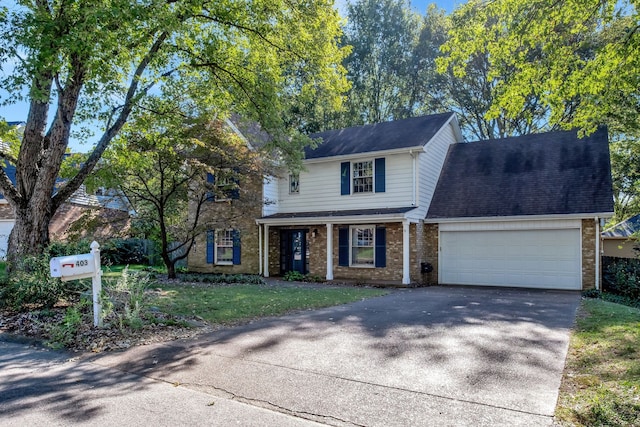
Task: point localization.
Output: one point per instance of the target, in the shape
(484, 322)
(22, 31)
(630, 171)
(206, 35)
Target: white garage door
(5, 230)
(548, 259)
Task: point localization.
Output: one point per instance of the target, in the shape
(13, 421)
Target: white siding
(320, 187)
(270, 193)
(430, 164)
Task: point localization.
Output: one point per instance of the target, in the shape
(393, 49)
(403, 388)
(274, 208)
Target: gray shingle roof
(404, 133)
(542, 174)
(624, 229)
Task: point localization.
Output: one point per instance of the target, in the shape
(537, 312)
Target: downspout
(413, 172)
(597, 220)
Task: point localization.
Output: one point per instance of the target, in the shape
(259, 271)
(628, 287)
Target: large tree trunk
(30, 233)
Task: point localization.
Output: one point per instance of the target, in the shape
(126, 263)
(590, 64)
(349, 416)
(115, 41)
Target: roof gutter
(363, 154)
(519, 217)
(351, 219)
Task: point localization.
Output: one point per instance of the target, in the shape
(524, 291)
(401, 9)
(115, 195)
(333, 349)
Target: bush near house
(621, 276)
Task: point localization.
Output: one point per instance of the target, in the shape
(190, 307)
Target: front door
(293, 251)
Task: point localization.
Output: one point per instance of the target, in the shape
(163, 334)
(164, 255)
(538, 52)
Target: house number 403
(82, 263)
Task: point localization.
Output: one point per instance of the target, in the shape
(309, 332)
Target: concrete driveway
(441, 356)
(431, 356)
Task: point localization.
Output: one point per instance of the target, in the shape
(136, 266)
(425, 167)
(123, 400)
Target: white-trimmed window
(362, 245)
(362, 177)
(224, 247)
(294, 183)
(224, 187)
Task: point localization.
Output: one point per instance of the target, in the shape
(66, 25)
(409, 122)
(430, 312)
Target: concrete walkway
(435, 356)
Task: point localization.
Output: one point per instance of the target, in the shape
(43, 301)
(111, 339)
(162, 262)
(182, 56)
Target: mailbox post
(82, 266)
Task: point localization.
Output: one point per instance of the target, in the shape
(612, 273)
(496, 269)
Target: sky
(18, 112)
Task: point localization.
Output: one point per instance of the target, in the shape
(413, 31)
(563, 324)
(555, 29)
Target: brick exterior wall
(6, 211)
(588, 254)
(72, 222)
(317, 246)
(430, 241)
(238, 214)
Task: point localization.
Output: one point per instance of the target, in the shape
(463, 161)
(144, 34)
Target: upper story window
(363, 177)
(223, 187)
(294, 183)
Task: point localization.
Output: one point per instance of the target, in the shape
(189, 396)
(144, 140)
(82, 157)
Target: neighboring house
(83, 215)
(230, 245)
(621, 240)
(407, 202)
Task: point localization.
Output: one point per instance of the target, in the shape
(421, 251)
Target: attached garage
(540, 257)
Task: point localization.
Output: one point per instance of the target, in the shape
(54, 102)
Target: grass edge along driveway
(601, 380)
(236, 303)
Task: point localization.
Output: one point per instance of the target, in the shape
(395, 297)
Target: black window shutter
(380, 175)
(345, 178)
(210, 245)
(236, 247)
(343, 247)
(381, 247)
(211, 180)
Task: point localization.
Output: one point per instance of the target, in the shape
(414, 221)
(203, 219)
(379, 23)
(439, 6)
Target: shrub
(30, 284)
(124, 251)
(125, 298)
(622, 277)
(296, 276)
(63, 334)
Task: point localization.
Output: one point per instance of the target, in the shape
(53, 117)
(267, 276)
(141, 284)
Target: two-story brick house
(393, 202)
(353, 213)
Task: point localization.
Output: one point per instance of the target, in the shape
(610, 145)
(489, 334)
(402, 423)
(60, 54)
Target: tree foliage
(380, 67)
(160, 163)
(578, 59)
(74, 61)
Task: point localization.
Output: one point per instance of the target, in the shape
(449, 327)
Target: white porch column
(266, 251)
(259, 249)
(405, 253)
(329, 251)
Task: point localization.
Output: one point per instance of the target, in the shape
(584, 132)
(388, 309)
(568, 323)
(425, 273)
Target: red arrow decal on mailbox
(68, 265)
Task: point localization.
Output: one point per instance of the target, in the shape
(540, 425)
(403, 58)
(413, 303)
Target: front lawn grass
(601, 382)
(237, 303)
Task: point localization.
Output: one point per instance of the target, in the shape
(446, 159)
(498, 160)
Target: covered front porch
(374, 245)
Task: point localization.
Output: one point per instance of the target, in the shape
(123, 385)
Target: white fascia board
(453, 121)
(589, 215)
(368, 154)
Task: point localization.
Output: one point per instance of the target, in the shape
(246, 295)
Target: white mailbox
(73, 266)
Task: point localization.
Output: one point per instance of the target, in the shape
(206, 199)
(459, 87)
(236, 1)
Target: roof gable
(398, 134)
(540, 174)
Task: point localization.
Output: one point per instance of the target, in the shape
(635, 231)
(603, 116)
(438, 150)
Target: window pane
(224, 246)
(294, 183)
(363, 177)
(362, 246)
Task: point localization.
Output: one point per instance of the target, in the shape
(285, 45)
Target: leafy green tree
(75, 61)
(625, 164)
(577, 59)
(382, 36)
(160, 164)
